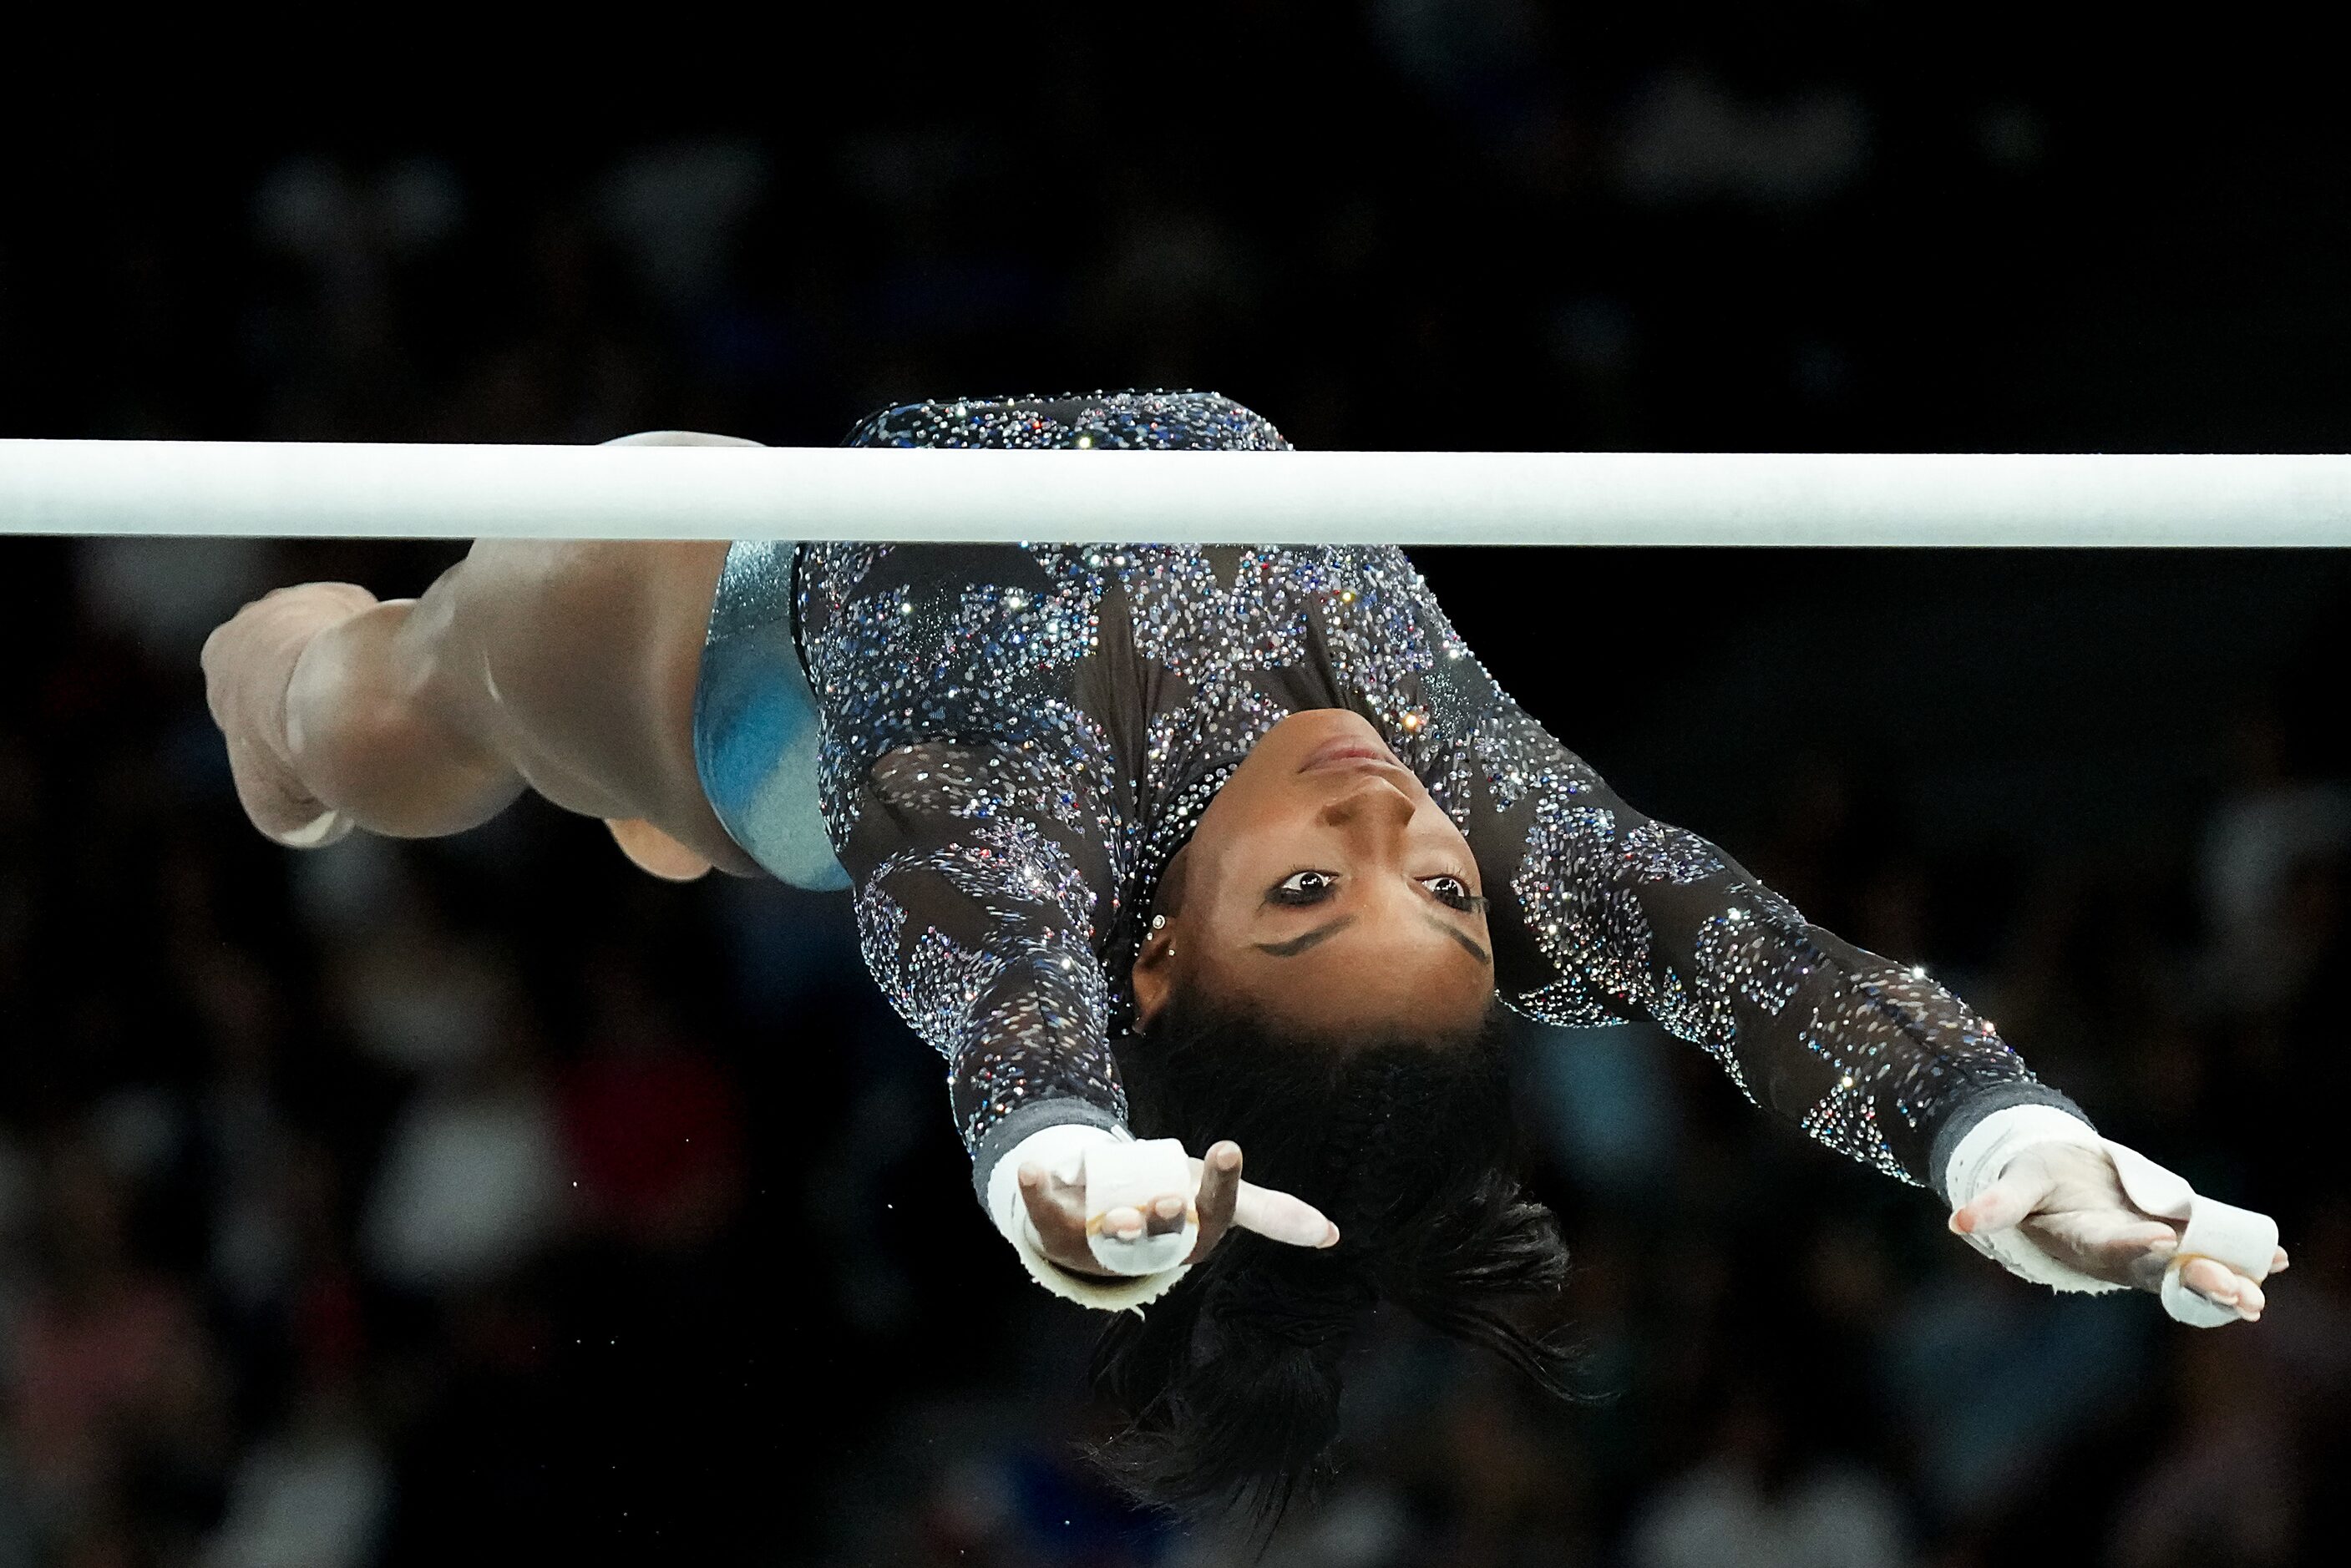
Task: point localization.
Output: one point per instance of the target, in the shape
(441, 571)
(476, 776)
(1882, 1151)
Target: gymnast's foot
(248, 665)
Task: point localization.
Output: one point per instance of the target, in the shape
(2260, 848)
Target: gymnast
(1176, 854)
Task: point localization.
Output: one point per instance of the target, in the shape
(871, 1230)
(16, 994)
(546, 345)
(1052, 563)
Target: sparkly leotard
(1017, 739)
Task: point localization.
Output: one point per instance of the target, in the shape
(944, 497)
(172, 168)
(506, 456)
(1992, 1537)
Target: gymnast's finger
(1164, 1214)
(2217, 1282)
(2016, 1194)
(1278, 1217)
(1059, 1227)
(1220, 1189)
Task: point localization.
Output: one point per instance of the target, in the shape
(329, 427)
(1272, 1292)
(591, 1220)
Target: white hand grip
(2236, 1238)
(1131, 1176)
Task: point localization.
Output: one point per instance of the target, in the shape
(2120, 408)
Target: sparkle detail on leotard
(1021, 1013)
(1019, 739)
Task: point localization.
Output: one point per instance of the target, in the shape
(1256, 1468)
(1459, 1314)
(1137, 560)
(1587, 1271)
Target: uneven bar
(80, 487)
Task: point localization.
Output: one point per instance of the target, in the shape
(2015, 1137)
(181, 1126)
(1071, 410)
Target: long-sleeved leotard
(1018, 738)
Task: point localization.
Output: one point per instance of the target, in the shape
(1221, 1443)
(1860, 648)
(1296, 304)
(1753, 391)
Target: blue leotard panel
(757, 731)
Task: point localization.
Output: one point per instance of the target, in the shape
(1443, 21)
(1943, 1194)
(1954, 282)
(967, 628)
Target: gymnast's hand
(1058, 1209)
(2069, 1200)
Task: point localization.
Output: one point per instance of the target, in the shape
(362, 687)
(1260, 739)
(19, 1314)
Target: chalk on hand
(1132, 1176)
(2236, 1238)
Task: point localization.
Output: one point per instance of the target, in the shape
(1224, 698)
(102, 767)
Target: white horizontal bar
(1434, 497)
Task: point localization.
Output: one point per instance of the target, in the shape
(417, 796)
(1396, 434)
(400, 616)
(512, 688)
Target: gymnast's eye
(1303, 888)
(1452, 890)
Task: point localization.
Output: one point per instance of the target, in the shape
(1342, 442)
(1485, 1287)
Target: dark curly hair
(1230, 1383)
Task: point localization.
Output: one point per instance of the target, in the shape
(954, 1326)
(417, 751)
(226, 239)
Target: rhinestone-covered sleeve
(1602, 914)
(978, 893)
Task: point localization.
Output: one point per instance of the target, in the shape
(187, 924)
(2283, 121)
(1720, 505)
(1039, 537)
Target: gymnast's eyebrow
(1297, 945)
(1481, 954)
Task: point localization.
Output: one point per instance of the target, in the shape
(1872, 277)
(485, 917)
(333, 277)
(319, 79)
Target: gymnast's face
(1324, 888)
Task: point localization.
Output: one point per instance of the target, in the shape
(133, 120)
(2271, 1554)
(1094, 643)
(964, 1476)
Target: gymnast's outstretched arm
(1602, 913)
(980, 870)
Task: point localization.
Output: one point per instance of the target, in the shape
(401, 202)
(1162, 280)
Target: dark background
(483, 1200)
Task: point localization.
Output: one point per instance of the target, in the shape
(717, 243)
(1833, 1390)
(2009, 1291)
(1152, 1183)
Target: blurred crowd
(432, 1202)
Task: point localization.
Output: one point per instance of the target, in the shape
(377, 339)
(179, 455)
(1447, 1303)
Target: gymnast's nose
(1374, 803)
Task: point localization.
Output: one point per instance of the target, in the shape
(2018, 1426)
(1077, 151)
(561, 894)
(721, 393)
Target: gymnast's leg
(568, 668)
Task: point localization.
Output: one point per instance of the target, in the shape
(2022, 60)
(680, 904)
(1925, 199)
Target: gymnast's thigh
(581, 659)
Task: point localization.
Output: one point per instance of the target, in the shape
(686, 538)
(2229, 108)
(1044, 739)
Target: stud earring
(1157, 922)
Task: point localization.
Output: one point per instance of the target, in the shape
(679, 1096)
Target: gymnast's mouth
(1343, 753)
